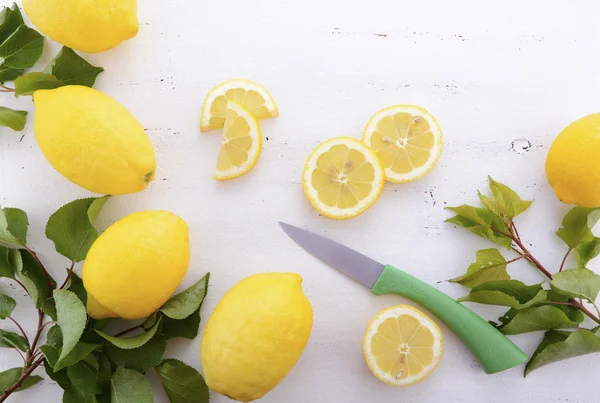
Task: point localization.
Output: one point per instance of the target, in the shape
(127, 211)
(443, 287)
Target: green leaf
(15, 120)
(72, 69)
(182, 383)
(577, 226)
(60, 377)
(184, 304)
(489, 265)
(76, 285)
(9, 377)
(512, 293)
(544, 317)
(480, 222)
(577, 283)
(9, 260)
(33, 277)
(558, 346)
(49, 308)
(85, 376)
(13, 340)
(71, 318)
(509, 202)
(22, 49)
(74, 395)
(186, 328)
(10, 20)
(128, 386)
(13, 225)
(587, 251)
(7, 305)
(29, 382)
(142, 358)
(31, 82)
(128, 343)
(71, 228)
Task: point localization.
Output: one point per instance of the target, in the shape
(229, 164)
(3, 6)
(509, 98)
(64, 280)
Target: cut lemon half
(402, 346)
(250, 95)
(407, 139)
(342, 178)
(241, 145)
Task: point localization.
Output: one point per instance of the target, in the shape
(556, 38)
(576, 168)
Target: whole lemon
(89, 26)
(255, 335)
(93, 140)
(136, 264)
(573, 163)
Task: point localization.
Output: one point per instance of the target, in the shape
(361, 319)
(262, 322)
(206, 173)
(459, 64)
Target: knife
(492, 349)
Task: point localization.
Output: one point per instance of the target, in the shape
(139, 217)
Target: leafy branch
(88, 363)
(551, 306)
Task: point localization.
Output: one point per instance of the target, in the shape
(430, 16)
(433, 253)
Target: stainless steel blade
(350, 262)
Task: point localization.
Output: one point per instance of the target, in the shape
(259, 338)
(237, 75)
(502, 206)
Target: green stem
(20, 328)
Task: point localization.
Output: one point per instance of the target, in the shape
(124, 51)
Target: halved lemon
(241, 145)
(250, 95)
(402, 346)
(407, 139)
(342, 178)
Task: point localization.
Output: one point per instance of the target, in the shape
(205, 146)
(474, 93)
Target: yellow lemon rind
(225, 86)
(436, 130)
(255, 151)
(337, 213)
(424, 320)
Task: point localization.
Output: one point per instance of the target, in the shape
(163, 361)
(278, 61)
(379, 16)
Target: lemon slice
(241, 145)
(402, 346)
(342, 178)
(407, 139)
(250, 95)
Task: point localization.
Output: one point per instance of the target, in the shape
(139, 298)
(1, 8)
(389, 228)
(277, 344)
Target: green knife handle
(492, 349)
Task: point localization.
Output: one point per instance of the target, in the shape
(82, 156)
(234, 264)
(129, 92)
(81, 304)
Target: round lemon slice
(250, 95)
(342, 178)
(407, 139)
(402, 346)
(241, 145)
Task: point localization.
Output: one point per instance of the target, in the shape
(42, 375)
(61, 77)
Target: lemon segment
(402, 346)
(407, 139)
(241, 145)
(343, 178)
(250, 95)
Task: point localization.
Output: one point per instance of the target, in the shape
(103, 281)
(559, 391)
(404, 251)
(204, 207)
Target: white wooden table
(503, 78)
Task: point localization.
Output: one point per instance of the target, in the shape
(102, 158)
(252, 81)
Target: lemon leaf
(12, 118)
(31, 82)
(33, 277)
(587, 251)
(7, 305)
(13, 226)
(9, 377)
(544, 317)
(481, 222)
(128, 386)
(71, 227)
(182, 383)
(9, 74)
(9, 258)
(577, 226)
(185, 303)
(13, 340)
(71, 317)
(60, 377)
(509, 202)
(10, 20)
(142, 358)
(489, 265)
(510, 293)
(74, 395)
(86, 376)
(186, 328)
(22, 49)
(577, 283)
(558, 346)
(72, 69)
(128, 343)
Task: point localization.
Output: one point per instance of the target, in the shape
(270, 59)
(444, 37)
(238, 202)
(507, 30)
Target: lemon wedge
(407, 139)
(402, 346)
(250, 95)
(343, 178)
(241, 145)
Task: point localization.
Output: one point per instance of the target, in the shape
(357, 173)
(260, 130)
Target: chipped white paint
(501, 77)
